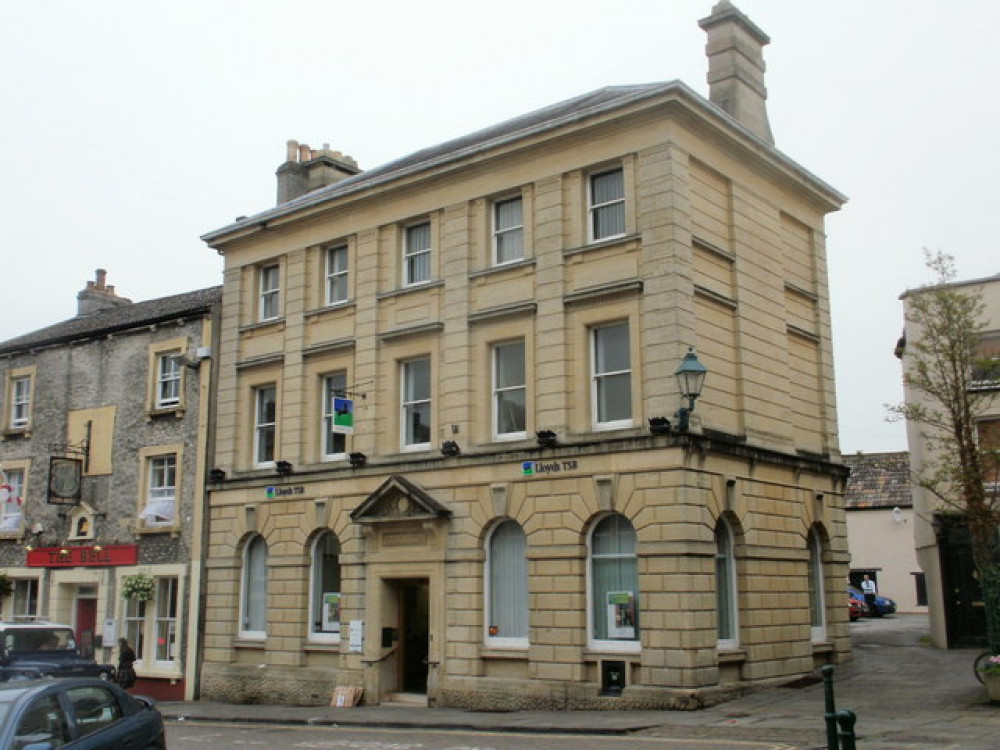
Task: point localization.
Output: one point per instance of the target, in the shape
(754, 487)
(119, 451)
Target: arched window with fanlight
(613, 581)
(253, 592)
(726, 592)
(324, 601)
(507, 586)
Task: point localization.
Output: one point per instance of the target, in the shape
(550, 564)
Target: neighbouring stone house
(105, 432)
(451, 458)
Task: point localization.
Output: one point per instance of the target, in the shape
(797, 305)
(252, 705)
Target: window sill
(422, 286)
(14, 433)
(249, 642)
(333, 307)
(503, 654)
(173, 530)
(625, 239)
(12, 534)
(326, 647)
(731, 655)
(262, 325)
(166, 411)
(160, 673)
(600, 654)
(499, 268)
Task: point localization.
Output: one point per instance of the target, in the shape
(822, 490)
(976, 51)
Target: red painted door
(86, 624)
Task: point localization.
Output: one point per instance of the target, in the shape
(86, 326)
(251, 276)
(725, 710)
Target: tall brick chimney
(306, 169)
(97, 296)
(736, 67)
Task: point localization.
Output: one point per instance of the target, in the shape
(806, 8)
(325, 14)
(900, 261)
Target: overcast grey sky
(129, 129)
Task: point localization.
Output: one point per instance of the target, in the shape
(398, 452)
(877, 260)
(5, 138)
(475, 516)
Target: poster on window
(331, 612)
(621, 614)
(343, 416)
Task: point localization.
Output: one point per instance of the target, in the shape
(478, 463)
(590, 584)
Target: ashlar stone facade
(505, 313)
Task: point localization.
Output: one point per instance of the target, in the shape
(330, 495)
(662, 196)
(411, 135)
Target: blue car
(883, 604)
(85, 713)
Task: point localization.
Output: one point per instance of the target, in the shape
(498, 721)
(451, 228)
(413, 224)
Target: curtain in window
(614, 580)
(166, 619)
(608, 200)
(12, 501)
(508, 616)
(416, 402)
(135, 618)
(509, 387)
(326, 584)
(724, 577)
(613, 374)
(255, 586)
(266, 415)
(418, 257)
(509, 230)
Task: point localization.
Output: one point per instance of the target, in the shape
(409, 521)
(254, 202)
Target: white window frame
(598, 379)
(727, 597)
(618, 646)
(334, 384)
(412, 256)
(12, 522)
(499, 640)
(817, 588)
(161, 489)
(318, 635)
(596, 209)
(337, 269)
(171, 586)
(134, 628)
(409, 406)
(502, 232)
(20, 402)
(250, 580)
(168, 380)
(261, 428)
(24, 598)
(500, 391)
(269, 300)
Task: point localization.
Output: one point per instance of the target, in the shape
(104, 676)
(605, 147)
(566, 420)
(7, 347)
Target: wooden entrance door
(86, 626)
(414, 628)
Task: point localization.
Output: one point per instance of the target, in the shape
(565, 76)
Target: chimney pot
(291, 150)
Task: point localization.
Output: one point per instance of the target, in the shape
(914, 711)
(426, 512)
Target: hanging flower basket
(139, 587)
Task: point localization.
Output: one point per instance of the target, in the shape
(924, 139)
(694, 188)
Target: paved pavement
(905, 694)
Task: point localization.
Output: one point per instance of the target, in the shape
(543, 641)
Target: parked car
(90, 713)
(883, 604)
(856, 607)
(38, 649)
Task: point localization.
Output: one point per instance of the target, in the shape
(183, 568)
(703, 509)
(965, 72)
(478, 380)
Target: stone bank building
(106, 418)
(450, 460)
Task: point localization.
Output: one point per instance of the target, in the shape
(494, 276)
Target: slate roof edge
(114, 320)
(441, 154)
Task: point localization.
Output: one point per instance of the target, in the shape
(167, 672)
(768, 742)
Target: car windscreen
(38, 639)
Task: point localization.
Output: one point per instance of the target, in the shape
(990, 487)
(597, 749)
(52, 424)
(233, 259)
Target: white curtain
(508, 582)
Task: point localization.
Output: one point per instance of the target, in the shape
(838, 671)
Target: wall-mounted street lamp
(283, 468)
(690, 378)
(357, 460)
(450, 448)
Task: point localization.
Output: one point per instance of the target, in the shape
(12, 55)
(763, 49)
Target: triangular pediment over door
(399, 499)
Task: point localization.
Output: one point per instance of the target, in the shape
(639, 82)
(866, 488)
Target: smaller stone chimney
(98, 296)
(736, 67)
(306, 169)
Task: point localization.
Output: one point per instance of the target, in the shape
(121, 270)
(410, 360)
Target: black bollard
(846, 719)
(832, 742)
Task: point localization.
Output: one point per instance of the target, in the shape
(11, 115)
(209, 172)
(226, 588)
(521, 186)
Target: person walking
(869, 590)
(126, 658)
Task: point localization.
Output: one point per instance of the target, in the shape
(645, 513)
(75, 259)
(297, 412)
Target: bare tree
(956, 381)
